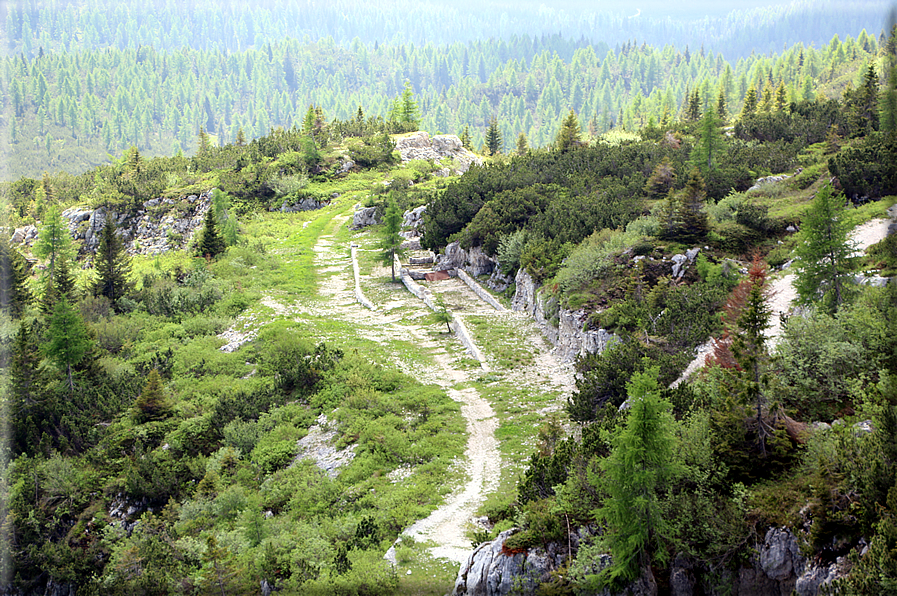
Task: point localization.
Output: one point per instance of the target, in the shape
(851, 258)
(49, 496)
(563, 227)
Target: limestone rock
(474, 261)
(364, 217)
(780, 556)
(419, 145)
(498, 281)
(25, 235)
(492, 571)
(761, 182)
(414, 217)
(570, 336)
(304, 204)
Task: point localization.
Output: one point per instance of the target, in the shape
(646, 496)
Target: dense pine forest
(68, 107)
(213, 384)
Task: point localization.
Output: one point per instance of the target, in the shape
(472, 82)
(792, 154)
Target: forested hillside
(67, 111)
(236, 26)
(212, 384)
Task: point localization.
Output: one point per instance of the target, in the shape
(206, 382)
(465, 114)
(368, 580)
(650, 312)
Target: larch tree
(634, 474)
(710, 142)
(67, 339)
(53, 240)
(825, 252)
(391, 240)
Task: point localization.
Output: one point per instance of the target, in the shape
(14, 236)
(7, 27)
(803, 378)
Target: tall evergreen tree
(14, 270)
(750, 103)
(522, 144)
(53, 240)
(824, 251)
(391, 241)
(211, 243)
(465, 138)
(634, 473)
(710, 143)
(888, 105)
(493, 138)
(112, 264)
(67, 339)
(691, 216)
(570, 135)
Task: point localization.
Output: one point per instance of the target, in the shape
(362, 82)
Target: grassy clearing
(428, 577)
(500, 340)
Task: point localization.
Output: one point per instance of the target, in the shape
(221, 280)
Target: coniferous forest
(215, 379)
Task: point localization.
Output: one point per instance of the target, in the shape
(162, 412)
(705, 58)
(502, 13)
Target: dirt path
(401, 317)
(782, 288)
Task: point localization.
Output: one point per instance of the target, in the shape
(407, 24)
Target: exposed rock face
(761, 182)
(305, 204)
(161, 225)
(778, 569)
(492, 571)
(419, 145)
(498, 281)
(366, 216)
(317, 445)
(569, 337)
(26, 235)
(413, 219)
(474, 261)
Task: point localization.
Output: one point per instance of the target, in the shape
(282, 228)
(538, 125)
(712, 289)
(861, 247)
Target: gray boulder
(364, 217)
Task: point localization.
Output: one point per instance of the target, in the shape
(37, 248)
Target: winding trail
(396, 319)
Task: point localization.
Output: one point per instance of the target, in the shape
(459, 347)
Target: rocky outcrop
(304, 204)
(766, 181)
(474, 261)
(414, 218)
(569, 334)
(419, 145)
(364, 217)
(490, 570)
(317, 446)
(778, 568)
(159, 226)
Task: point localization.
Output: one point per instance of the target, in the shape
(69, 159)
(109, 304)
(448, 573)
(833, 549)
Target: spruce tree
(14, 271)
(211, 243)
(152, 403)
(824, 251)
(570, 135)
(493, 138)
(691, 216)
(522, 144)
(750, 103)
(112, 264)
(465, 139)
